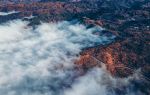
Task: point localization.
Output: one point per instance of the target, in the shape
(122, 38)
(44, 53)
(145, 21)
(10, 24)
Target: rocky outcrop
(125, 56)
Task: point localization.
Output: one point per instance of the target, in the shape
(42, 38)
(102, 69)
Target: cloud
(29, 17)
(7, 13)
(40, 60)
(89, 84)
(98, 81)
(11, 31)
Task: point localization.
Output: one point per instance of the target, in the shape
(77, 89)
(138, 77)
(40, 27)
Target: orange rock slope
(120, 59)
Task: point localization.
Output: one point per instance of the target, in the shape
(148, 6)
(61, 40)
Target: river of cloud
(39, 60)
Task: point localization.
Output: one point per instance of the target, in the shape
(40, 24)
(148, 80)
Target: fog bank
(40, 60)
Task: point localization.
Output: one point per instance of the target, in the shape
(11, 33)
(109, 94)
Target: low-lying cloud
(40, 60)
(7, 13)
(29, 17)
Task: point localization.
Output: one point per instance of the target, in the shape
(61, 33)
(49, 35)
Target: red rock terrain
(129, 22)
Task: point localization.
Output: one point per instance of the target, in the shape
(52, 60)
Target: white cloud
(89, 84)
(29, 17)
(13, 31)
(39, 61)
(7, 13)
